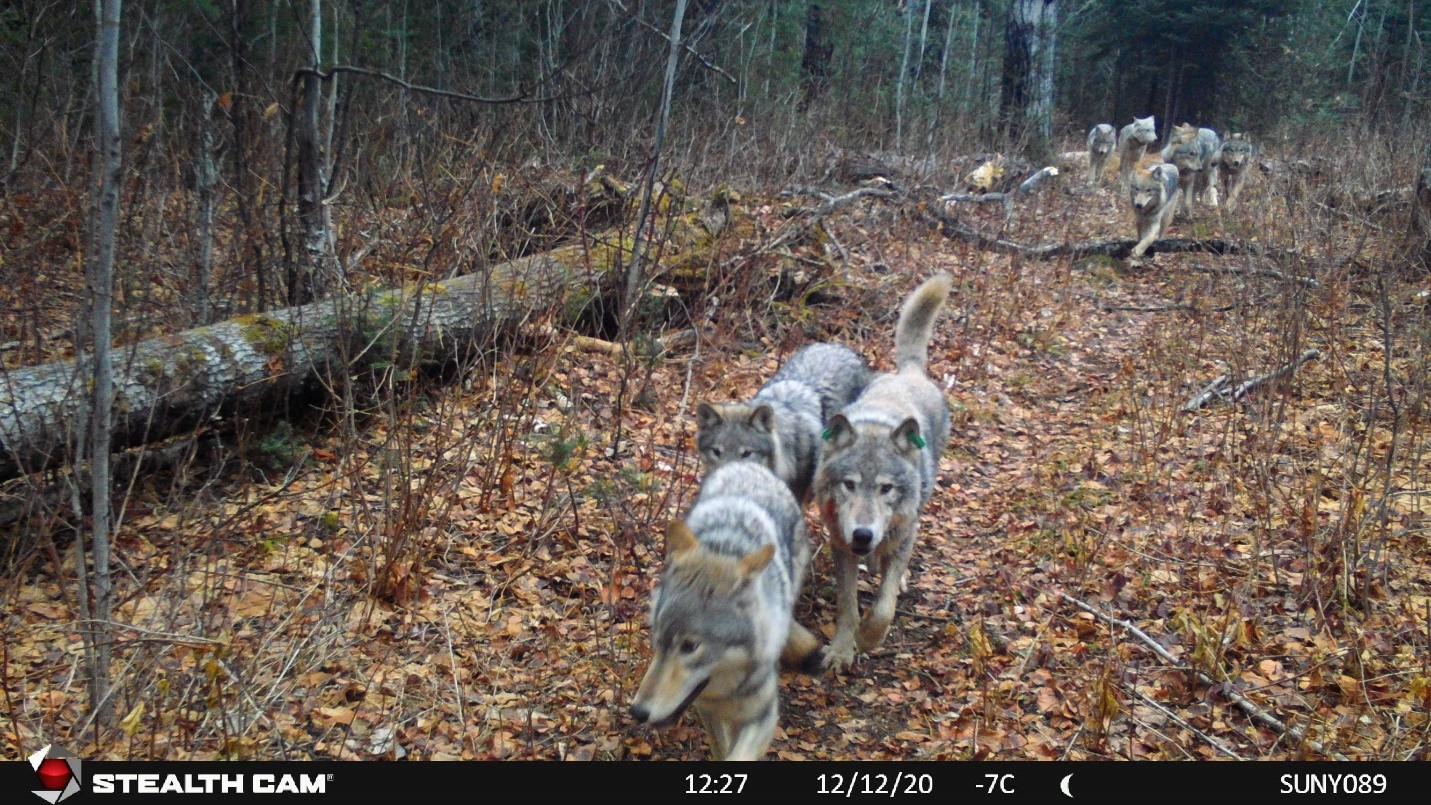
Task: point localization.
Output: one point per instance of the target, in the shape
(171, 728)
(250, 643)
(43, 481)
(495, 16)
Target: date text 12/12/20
(880, 784)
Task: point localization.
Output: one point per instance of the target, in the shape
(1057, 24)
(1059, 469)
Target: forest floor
(1278, 545)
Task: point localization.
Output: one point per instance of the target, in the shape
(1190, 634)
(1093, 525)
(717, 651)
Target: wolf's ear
(679, 539)
(906, 437)
(763, 419)
(707, 416)
(839, 434)
(755, 561)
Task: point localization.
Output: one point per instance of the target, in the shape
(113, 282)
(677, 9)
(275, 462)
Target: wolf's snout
(861, 539)
(640, 713)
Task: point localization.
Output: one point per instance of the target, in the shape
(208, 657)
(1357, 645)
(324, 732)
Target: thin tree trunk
(206, 175)
(312, 280)
(634, 278)
(968, 100)
(943, 75)
(923, 40)
(903, 76)
(101, 291)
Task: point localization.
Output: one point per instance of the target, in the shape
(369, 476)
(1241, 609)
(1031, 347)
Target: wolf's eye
(885, 489)
(689, 646)
(745, 453)
(715, 451)
(849, 485)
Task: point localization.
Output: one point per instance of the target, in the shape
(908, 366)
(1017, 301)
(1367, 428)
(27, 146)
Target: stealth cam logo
(59, 774)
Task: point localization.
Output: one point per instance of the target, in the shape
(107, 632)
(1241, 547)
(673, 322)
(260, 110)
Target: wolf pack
(864, 447)
(1194, 164)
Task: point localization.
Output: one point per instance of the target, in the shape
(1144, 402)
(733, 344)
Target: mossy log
(167, 385)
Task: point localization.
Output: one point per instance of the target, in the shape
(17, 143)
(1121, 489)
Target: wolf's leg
(841, 651)
(883, 563)
(718, 731)
(1236, 189)
(753, 739)
(1148, 232)
(1212, 179)
(1164, 222)
(875, 625)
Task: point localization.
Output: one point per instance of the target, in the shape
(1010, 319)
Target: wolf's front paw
(838, 657)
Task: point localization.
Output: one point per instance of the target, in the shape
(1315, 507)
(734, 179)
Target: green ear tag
(916, 440)
(826, 434)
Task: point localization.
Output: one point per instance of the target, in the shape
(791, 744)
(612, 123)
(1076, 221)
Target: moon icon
(1063, 786)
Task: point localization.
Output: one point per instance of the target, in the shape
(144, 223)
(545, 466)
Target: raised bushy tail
(916, 321)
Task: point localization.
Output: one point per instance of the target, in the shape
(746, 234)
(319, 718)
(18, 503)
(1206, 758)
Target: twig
(1180, 721)
(1218, 388)
(665, 343)
(1247, 706)
(521, 97)
(706, 63)
(809, 217)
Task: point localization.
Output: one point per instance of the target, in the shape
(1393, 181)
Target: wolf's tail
(916, 321)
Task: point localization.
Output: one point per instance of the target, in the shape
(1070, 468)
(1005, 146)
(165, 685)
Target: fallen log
(168, 385)
(950, 227)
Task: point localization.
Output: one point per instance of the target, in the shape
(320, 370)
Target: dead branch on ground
(1218, 387)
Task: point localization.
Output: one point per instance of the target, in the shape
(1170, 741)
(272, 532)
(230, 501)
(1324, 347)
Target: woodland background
(420, 517)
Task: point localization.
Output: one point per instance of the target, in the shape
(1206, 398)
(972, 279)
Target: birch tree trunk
(313, 278)
(1026, 99)
(101, 302)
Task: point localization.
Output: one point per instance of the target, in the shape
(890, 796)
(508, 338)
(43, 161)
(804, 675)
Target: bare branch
(523, 97)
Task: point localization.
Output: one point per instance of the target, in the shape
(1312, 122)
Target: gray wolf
(1133, 142)
(1153, 192)
(876, 472)
(780, 427)
(721, 616)
(1194, 151)
(1101, 140)
(1234, 159)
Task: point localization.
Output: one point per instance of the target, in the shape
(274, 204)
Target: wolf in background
(1195, 152)
(780, 427)
(1133, 142)
(721, 618)
(876, 472)
(1234, 159)
(1101, 140)
(1153, 192)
